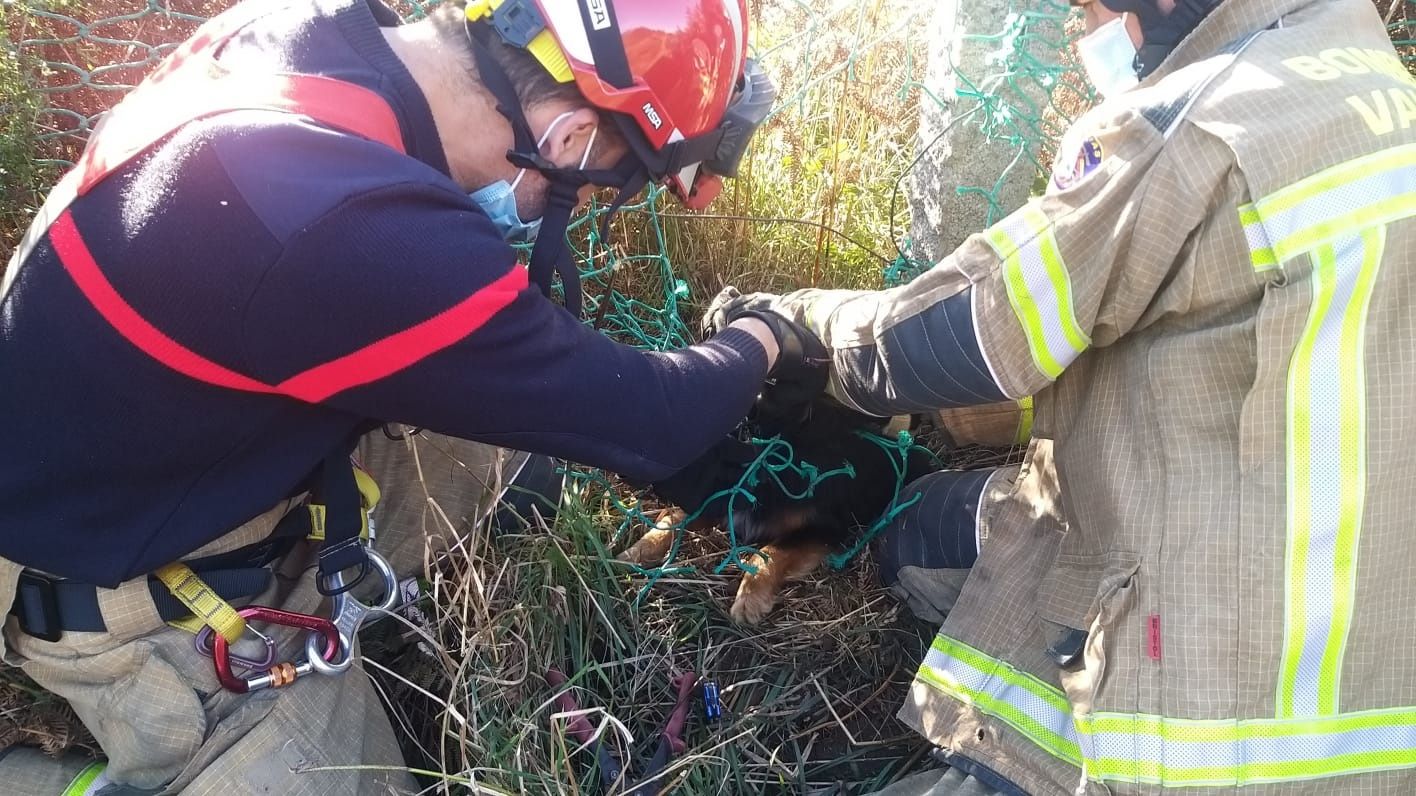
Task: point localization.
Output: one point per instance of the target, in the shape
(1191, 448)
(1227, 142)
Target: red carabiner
(281, 674)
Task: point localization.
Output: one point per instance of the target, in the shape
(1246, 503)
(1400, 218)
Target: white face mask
(1109, 57)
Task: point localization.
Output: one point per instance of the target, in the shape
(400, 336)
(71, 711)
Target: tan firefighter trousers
(153, 702)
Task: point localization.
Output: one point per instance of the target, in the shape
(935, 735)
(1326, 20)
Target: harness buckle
(38, 605)
(336, 559)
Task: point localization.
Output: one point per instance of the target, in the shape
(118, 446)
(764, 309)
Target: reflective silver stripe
(1039, 288)
(1326, 473)
(1310, 222)
(1357, 194)
(1134, 747)
(1038, 712)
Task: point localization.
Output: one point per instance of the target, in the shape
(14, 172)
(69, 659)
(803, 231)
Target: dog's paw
(750, 608)
(653, 547)
(757, 593)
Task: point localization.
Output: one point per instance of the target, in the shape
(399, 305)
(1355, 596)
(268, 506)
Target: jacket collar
(1230, 21)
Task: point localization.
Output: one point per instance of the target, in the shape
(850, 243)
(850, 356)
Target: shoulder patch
(1089, 156)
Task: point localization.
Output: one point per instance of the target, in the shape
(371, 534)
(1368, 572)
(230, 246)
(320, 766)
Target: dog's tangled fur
(796, 534)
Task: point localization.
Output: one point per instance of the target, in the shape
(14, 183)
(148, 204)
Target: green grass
(22, 179)
(809, 698)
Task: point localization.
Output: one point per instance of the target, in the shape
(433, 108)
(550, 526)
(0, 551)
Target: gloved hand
(801, 372)
(728, 305)
(803, 365)
(721, 467)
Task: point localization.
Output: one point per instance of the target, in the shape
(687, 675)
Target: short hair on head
(533, 84)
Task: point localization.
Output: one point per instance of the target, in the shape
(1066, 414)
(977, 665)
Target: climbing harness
(192, 84)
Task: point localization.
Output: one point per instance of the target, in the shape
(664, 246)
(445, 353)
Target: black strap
(495, 80)
(47, 607)
(606, 43)
(550, 254)
(342, 550)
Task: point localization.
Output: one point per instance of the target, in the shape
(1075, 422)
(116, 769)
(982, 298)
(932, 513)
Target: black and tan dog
(796, 534)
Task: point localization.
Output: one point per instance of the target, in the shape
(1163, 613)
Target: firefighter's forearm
(908, 349)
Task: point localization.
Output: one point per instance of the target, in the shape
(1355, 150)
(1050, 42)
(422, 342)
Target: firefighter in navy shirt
(291, 236)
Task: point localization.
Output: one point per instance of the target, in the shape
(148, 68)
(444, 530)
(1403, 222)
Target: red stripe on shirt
(374, 361)
(79, 262)
(406, 348)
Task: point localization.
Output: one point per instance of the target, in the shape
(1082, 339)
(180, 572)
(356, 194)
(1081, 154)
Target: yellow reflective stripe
(1039, 289)
(1353, 463)
(1031, 707)
(1299, 469)
(84, 781)
(1154, 772)
(1308, 188)
(1047, 693)
(1232, 730)
(1263, 259)
(1376, 214)
(1049, 741)
(1168, 751)
(1041, 228)
(199, 598)
(1023, 305)
(1025, 420)
(1326, 412)
(1342, 200)
(1261, 254)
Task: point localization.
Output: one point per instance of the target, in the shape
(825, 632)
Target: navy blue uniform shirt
(278, 249)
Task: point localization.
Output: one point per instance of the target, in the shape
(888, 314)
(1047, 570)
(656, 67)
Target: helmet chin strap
(550, 255)
(1161, 32)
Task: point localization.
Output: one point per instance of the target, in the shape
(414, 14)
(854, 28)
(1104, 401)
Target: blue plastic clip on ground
(712, 708)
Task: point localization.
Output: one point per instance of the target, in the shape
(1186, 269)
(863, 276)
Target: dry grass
(808, 698)
(812, 206)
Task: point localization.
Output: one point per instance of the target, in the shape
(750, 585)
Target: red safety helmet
(675, 77)
(675, 72)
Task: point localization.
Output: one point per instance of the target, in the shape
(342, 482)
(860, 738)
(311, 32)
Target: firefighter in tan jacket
(1204, 575)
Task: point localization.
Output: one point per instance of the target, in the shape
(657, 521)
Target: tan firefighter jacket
(1214, 305)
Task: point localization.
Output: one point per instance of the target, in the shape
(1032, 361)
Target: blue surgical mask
(498, 200)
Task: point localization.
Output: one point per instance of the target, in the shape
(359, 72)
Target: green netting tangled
(823, 199)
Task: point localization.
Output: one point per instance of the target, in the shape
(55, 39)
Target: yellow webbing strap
(543, 45)
(1025, 420)
(206, 605)
(369, 494)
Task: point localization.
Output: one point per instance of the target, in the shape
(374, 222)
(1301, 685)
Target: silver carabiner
(348, 615)
(204, 644)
